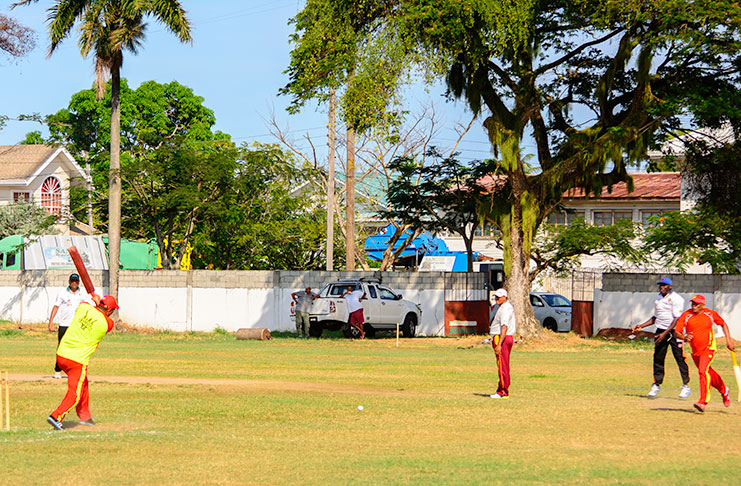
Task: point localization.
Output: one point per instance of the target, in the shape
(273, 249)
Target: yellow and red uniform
(703, 346)
(79, 343)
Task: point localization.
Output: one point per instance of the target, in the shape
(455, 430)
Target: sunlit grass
(286, 412)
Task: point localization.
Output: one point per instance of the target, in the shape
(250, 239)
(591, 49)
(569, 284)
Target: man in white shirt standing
(303, 302)
(66, 305)
(668, 306)
(502, 331)
(355, 308)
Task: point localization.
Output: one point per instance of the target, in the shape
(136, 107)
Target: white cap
(500, 293)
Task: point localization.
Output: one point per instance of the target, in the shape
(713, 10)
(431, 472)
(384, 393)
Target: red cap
(698, 299)
(109, 302)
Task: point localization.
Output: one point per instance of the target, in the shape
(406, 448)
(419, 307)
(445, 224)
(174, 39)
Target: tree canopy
(107, 29)
(267, 219)
(184, 183)
(593, 84)
(710, 232)
(25, 218)
(16, 40)
(152, 115)
(442, 195)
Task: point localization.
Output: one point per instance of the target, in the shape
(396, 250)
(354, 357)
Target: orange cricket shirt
(701, 327)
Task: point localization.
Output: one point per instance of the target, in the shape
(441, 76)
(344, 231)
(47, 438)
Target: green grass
(578, 414)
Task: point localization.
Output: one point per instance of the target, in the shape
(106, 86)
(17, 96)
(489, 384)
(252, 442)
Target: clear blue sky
(236, 64)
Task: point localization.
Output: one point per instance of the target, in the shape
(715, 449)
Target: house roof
(21, 163)
(654, 185)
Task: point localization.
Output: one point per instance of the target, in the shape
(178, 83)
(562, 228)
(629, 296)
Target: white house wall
(205, 300)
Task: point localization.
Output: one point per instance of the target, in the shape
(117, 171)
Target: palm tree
(108, 28)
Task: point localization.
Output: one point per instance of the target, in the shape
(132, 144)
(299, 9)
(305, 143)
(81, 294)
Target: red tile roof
(655, 185)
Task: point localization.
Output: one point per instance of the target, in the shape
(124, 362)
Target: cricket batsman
(696, 327)
(90, 324)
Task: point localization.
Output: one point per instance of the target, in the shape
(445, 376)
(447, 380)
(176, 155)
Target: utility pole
(89, 195)
(330, 179)
(350, 199)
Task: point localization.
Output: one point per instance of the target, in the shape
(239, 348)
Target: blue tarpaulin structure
(423, 245)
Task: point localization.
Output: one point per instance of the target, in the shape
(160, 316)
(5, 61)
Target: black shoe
(87, 422)
(55, 423)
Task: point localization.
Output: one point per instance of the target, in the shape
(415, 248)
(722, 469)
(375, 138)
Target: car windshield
(555, 300)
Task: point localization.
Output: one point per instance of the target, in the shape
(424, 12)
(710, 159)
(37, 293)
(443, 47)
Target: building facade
(42, 174)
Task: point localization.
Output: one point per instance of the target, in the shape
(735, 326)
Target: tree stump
(260, 333)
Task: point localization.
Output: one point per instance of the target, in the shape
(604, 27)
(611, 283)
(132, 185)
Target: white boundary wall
(202, 300)
(628, 298)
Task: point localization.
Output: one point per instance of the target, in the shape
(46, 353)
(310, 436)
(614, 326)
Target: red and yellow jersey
(701, 327)
(84, 334)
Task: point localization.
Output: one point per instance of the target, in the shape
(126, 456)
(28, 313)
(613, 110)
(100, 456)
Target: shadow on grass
(71, 424)
(637, 395)
(669, 409)
(485, 395)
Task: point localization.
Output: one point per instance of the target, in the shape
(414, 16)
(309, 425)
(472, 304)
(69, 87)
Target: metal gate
(466, 303)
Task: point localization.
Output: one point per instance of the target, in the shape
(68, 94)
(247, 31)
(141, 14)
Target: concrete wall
(627, 298)
(201, 300)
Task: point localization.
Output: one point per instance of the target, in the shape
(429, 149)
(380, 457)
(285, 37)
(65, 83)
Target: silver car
(553, 311)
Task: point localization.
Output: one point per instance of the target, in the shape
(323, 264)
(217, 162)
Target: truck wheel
(351, 332)
(550, 323)
(316, 330)
(409, 328)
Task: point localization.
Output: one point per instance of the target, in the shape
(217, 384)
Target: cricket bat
(737, 372)
(81, 270)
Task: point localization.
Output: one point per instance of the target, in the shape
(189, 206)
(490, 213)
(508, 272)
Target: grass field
(207, 409)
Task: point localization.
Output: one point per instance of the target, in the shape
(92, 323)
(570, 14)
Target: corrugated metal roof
(654, 185)
(21, 161)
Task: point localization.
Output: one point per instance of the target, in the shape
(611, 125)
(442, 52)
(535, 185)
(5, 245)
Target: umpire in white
(668, 306)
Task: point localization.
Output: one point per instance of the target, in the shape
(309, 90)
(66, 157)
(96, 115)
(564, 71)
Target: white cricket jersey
(67, 302)
(505, 317)
(667, 308)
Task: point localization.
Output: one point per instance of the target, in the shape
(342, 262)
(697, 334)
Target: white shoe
(655, 389)
(57, 375)
(685, 391)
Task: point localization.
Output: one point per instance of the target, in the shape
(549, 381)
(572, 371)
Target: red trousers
(356, 320)
(77, 390)
(708, 376)
(503, 364)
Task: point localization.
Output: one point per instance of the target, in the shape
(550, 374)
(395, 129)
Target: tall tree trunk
(350, 198)
(517, 243)
(330, 178)
(114, 185)
(390, 254)
(469, 250)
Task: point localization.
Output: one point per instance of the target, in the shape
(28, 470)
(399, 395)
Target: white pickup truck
(382, 308)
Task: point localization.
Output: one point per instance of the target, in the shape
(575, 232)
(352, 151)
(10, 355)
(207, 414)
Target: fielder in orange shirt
(696, 327)
(88, 327)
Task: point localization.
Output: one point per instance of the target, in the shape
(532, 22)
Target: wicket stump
(4, 400)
